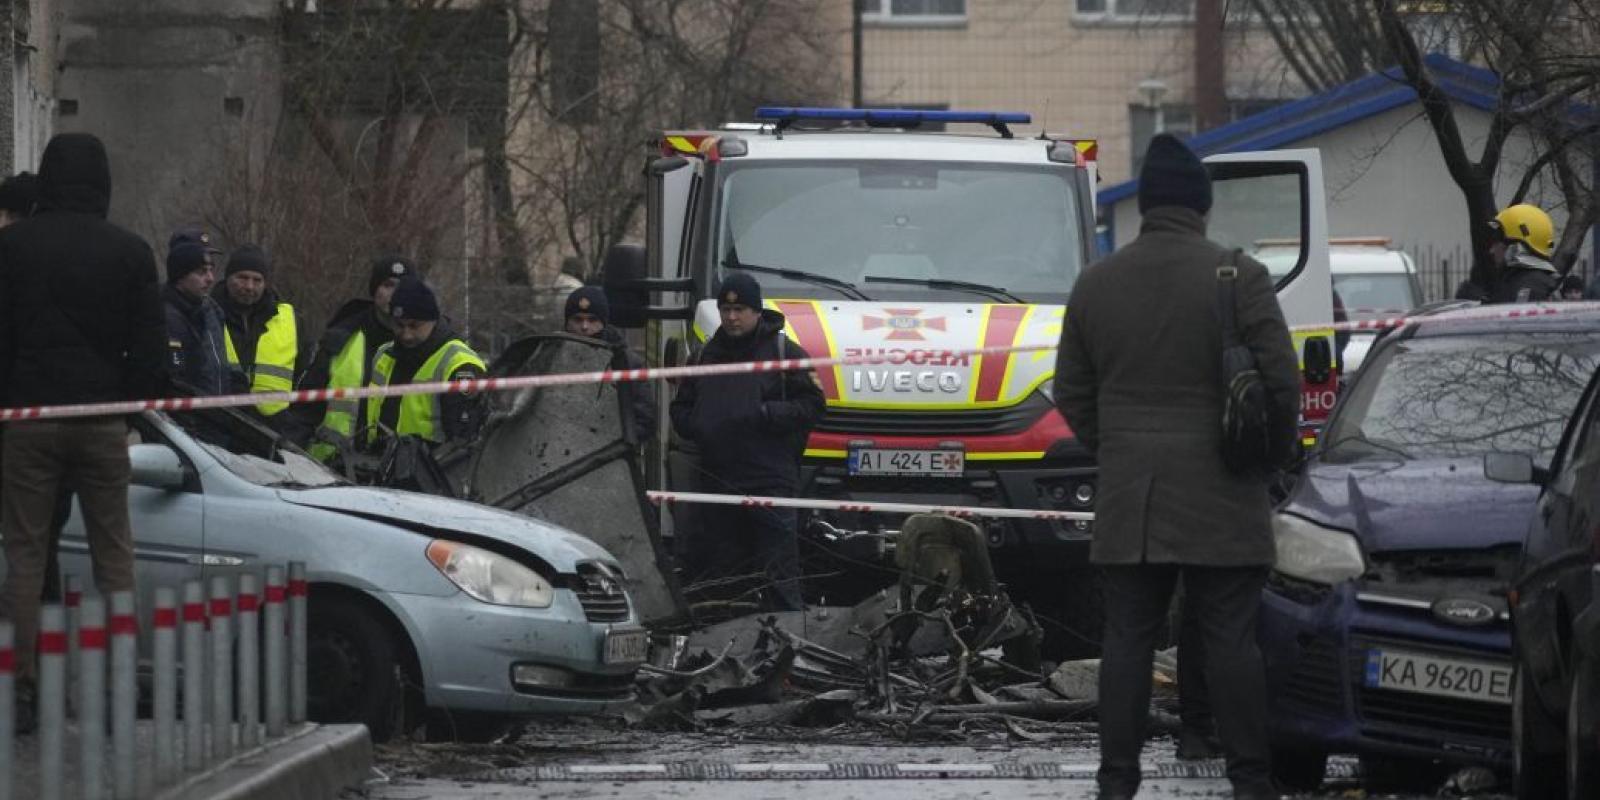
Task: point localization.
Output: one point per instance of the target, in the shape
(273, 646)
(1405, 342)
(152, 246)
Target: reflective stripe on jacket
(276, 350)
(419, 413)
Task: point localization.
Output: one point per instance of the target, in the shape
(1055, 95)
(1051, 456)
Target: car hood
(439, 516)
(1415, 505)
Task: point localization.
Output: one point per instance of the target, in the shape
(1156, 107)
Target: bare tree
(1542, 50)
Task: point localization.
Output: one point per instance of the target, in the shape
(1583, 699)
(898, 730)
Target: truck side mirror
(1318, 360)
(624, 275)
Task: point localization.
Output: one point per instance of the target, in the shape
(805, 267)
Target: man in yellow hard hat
(1524, 242)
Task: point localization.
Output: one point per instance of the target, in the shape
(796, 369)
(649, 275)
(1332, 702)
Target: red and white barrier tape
(465, 385)
(1486, 313)
(753, 501)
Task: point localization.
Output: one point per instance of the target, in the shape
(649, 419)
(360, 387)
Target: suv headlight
(1310, 552)
(490, 577)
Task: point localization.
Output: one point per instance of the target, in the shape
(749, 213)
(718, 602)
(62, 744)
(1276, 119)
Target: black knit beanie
(739, 288)
(386, 267)
(413, 300)
(186, 258)
(1173, 176)
(589, 300)
(250, 258)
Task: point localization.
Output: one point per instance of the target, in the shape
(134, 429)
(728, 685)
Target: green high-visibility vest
(347, 370)
(419, 413)
(275, 353)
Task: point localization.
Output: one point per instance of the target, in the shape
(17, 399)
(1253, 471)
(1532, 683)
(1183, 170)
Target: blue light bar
(891, 115)
(785, 116)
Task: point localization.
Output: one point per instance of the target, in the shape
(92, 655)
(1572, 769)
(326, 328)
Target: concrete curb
(314, 761)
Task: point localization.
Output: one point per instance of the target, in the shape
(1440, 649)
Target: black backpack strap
(1227, 298)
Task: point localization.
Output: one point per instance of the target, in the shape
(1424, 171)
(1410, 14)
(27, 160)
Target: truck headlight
(1311, 552)
(490, 577)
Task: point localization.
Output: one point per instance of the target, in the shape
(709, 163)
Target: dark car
(1556, 728)
(1385, 624)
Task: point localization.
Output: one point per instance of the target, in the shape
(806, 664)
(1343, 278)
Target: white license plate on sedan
(936, 463)
(1440, 676)
(626, 646)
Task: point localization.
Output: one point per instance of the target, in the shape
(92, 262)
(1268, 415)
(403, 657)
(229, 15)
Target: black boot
(1194, 745)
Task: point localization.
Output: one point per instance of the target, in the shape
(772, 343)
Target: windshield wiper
(845, 288)
(994, 292)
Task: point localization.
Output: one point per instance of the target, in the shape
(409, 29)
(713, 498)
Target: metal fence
(1442, 269)
(89, 642)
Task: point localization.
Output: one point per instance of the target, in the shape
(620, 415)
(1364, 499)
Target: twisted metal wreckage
(933, 646)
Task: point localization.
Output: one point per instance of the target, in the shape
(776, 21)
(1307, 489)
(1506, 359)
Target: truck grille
(967, 422)
(600, 590)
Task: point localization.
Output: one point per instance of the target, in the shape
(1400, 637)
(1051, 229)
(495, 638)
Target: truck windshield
(1011, 226)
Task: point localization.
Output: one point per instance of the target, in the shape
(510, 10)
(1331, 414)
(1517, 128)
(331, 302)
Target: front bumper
(1315, 642)
(469, 650)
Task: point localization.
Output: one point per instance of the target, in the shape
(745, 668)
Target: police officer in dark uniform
(588, 313)
(197, 359)
(751, 430)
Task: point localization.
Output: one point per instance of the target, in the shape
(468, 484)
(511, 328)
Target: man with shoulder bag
(1187, 420)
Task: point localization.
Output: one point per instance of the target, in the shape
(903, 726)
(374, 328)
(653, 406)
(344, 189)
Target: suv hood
(1416, 505)
(438, 516)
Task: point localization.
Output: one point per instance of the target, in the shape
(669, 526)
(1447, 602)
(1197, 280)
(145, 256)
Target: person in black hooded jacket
(80, 322)
(752, 432)
(588, 313)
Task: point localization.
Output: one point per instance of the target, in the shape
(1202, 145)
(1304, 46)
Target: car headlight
(490, 577)
(1310, 552)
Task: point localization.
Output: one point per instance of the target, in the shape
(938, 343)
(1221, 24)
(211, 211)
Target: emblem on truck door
(903, 324)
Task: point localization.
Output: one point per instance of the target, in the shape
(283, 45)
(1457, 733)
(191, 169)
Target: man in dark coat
(1139, 379)
(588, 313)
(197, 359)
(80, 322)
(751, 430)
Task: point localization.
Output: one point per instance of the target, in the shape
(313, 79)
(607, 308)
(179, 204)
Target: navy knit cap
(413, 300)
(589, 300)
(739, 288)
(191, 234)
(386, 267)
(186, 258)
(250, 258)
(1173, 176)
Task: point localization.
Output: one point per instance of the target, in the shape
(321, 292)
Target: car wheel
(1583, 732)
(1535, 757)
(352, 669)
(1299, 769)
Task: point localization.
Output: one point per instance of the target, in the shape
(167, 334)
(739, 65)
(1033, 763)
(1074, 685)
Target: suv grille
(1454, 716)
(975, 422)
(599, 589)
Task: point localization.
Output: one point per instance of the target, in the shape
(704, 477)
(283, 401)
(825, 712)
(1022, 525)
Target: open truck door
(1275, 201)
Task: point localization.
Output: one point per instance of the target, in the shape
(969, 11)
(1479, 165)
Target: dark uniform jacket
(752, 428)
(197, 359)
(1523, 285)
(639, 397)
(1138, 378)
(80, 301)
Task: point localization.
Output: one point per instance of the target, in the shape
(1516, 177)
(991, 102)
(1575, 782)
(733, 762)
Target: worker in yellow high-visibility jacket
(424, 350)
(261, 333)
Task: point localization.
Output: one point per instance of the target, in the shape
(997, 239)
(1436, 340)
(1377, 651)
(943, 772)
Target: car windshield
(253, 451)
(1462, 396)
(1368, 293)
(1009, 226)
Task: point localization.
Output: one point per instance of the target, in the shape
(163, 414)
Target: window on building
(914, 11)
(1145, 121)
(1137, 9)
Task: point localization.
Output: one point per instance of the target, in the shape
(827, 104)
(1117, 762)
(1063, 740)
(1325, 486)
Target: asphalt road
(579, 760)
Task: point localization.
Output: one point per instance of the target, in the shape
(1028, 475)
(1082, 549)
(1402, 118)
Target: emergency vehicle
(879, 239)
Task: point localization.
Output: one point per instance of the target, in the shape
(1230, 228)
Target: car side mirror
(1318, 360)
(157, 466)
(1513, 468)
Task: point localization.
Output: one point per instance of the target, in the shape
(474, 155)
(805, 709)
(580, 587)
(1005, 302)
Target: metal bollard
(92, 697)
(221, 668)
(298, 597)
(249, 662)
(276, 681)
(124, 630)
(194, 635)
(8, 706)
(165, 703)
(52, 699)
(72, 596)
